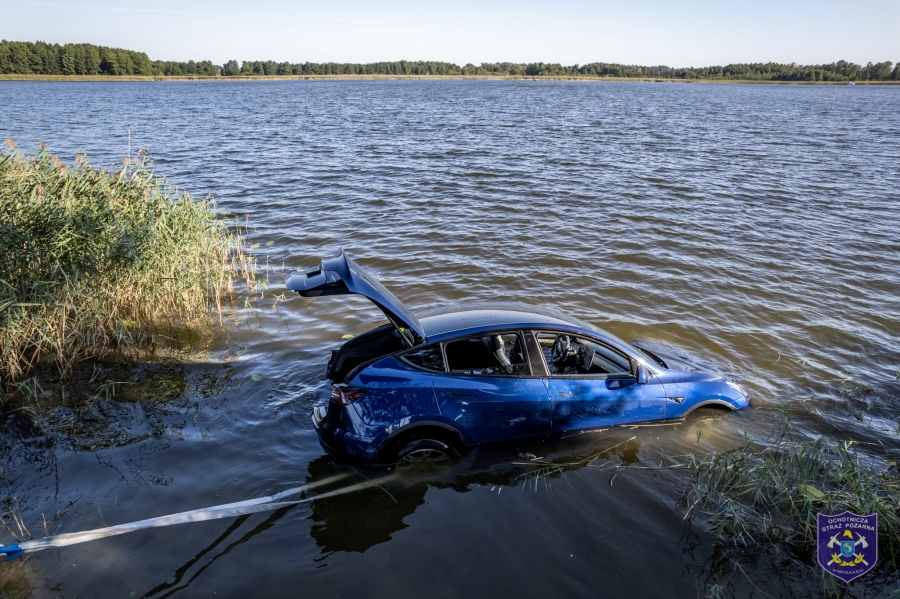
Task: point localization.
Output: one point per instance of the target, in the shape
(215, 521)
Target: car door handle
(460, 394)
(567, 394)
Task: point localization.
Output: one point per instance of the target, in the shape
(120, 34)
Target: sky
(645, 32)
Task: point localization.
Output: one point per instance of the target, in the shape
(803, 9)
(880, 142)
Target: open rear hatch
(341, 276)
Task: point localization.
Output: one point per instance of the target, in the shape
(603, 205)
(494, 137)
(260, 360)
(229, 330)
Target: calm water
(752, 226)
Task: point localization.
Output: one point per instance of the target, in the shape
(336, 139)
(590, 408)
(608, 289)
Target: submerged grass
(766, 498)
(544, 471)
(95, 260)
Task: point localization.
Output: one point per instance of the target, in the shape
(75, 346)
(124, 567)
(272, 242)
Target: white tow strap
(240, 508)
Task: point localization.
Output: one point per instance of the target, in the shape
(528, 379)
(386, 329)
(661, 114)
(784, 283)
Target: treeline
(770, 71)
(27, 58)
(836, 71)
(402, 67)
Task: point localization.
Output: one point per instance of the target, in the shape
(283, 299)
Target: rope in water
(228, 510)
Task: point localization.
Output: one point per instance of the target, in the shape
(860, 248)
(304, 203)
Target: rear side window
(571, 355)
(428, 357)
(492, 354)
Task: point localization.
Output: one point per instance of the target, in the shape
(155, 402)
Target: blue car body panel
(490, 408)
(396, 396)
(687, 391)
(581, 403)
(341, 429)
(395, 391)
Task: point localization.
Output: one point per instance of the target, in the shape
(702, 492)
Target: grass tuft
(767, 497)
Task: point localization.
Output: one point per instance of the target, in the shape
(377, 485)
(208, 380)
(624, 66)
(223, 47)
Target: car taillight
(345, 396)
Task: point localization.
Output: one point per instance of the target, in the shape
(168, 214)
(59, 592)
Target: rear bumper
(337, 433)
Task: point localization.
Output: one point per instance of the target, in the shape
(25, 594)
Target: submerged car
(425, 388)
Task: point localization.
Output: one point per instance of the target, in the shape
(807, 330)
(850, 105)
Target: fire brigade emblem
(847, 544)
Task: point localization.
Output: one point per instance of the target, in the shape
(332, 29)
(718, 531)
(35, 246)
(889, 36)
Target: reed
(95, 260)
(768, 497)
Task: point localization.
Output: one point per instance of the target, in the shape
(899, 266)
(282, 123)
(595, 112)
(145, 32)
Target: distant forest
(40, 58)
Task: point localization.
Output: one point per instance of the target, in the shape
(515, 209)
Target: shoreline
(151, 78)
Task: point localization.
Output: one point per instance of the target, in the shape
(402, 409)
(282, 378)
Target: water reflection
(184, 575)
(179, 582)
(358, 521)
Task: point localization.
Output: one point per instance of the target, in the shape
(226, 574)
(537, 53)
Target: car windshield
(570, 355)
(625, 344)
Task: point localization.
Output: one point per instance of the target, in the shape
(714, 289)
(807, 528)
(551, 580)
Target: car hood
(342, 276)
(676, 359)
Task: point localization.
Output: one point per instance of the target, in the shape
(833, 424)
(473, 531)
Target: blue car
(422, 389)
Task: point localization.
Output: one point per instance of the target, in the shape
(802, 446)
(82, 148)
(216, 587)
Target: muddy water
(752, 226)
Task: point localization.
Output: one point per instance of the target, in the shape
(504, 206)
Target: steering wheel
(561, 346)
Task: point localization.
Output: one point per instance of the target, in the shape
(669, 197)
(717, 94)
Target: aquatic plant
(544, 471)
(94, 260)
(757, 498)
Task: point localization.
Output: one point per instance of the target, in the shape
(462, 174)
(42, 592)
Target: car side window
(428, 357)
(490, 354)
(568, 355)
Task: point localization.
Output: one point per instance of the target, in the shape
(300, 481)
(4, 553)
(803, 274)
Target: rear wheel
(425, 456)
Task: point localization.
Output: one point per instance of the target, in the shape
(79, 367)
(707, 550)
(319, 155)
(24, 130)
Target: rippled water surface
(753, 226)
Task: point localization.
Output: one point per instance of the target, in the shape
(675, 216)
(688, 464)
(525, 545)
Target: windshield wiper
(654, 357)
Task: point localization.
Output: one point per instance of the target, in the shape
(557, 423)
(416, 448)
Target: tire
(425, 456)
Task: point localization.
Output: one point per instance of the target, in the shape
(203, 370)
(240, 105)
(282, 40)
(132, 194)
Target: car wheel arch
(709, 403)
(422, 429)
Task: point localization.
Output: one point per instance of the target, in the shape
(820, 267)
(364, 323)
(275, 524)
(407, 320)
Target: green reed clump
(94, 260)
(769, 496)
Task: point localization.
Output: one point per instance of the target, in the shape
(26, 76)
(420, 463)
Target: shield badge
(847, 544)
(847, 548)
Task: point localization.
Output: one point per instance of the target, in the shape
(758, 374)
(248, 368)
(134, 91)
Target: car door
(592, 385)
(489, 389)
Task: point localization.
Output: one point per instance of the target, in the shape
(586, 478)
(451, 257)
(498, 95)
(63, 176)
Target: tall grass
(767, 497)
(94, 260)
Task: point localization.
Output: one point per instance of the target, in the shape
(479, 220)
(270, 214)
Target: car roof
(457, 318)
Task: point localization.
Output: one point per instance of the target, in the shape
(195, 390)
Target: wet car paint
(594, 402)
(494, 408)
(481, 408)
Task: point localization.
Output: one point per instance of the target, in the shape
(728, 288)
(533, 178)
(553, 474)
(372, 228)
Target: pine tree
(68, 61)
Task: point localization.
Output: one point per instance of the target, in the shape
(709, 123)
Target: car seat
(496, 345)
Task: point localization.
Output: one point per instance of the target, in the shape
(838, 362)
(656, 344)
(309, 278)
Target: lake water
(753, 226)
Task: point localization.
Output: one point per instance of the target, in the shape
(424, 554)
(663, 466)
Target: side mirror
(642, 374)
